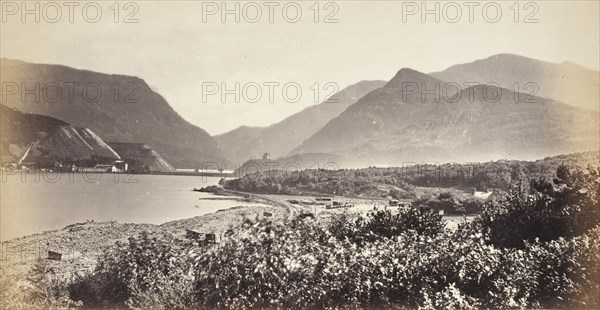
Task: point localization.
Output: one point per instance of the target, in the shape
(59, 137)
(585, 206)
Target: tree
(565, 207)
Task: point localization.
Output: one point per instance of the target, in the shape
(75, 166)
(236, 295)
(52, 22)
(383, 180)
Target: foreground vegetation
(537, 247)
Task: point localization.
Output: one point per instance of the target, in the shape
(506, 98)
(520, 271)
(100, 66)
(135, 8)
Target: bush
(567, 207)
(43, 289)
(385, 224)
(302, 264)
(472, 206)
(569, 271)
(445, 195)
(146, 271)
(403, 259)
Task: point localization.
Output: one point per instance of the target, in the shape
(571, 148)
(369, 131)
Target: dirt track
(274, 200)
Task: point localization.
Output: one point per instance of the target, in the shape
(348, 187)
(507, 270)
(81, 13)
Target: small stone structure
(54, 255)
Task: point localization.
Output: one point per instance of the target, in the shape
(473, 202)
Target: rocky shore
(81, 243)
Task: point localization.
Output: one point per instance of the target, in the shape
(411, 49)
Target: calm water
(30, 206)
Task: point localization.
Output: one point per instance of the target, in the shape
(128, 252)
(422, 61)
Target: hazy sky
(174, 51)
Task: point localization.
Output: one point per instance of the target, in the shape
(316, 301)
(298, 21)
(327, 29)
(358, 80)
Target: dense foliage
(567, 206)
(356, 182)
(539, 247)
(43, 289)
(140, 272)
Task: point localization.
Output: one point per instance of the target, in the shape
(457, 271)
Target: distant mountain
(230, 142)
(124, 109)
(566, 82)
(142, 155)
(379, 108)
(395, 124)
(279, 139)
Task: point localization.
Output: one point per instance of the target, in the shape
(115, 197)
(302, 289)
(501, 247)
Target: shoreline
(303, 204)
(176, 173)
(81, 243)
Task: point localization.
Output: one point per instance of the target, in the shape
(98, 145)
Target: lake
(35, 202)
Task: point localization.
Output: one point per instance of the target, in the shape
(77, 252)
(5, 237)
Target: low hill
(294, 163)
(400, 182)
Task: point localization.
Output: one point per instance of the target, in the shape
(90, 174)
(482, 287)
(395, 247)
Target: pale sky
(174, 51)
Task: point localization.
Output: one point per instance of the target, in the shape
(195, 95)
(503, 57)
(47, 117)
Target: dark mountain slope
(137, 114)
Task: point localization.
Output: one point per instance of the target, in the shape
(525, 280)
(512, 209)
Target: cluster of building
(118, 167)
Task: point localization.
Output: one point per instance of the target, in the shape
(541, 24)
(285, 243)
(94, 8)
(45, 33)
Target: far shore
(200, 173)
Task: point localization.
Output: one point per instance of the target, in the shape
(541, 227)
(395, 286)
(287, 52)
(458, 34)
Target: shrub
(43, 289)
(146, 271)
(569, 271)
(404, 258)
(386, 224)
(445, 195)
(352, 262)
(567, 207)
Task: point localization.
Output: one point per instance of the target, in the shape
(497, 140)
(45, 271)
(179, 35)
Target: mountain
(566, 82)
(377, 109)
(395, 125)
(117, 107)
(230, 142)
(279, 139)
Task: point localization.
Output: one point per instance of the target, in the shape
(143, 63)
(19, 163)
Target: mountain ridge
(135, 114)
(387, 125)
(567, 81)
(280, 138)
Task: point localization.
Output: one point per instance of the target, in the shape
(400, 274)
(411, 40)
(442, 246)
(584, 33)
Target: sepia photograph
(303, 154)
